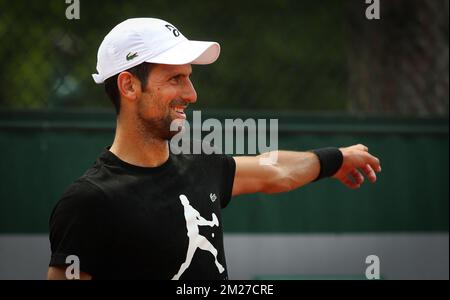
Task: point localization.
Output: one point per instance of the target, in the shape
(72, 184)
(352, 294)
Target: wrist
(330, 159)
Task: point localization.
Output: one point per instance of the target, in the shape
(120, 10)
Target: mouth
(179, 112)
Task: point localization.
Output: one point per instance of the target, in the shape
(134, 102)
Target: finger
(374, 162)
(363, 147)
(370, 173)
(357, 176)
(350, 184)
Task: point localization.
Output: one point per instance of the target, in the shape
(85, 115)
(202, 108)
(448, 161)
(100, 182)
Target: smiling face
(168, 92)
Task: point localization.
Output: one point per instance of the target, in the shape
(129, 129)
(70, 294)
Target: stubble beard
(156, 128)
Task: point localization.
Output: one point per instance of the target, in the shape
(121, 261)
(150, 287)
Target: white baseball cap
(139, 40)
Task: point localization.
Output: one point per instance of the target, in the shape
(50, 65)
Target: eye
(176, 79)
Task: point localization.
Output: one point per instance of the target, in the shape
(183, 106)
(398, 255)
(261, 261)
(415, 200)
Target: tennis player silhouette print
(196, 241)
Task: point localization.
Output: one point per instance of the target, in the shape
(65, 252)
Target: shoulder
(214, 162)
(208, 158)
(223, 161)
(83, 190)
(80, 198)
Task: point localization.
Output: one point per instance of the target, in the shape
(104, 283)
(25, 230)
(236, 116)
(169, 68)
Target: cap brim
(189, 52)
(186, 52)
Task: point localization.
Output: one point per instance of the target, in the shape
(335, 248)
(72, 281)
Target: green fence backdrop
(42, 152)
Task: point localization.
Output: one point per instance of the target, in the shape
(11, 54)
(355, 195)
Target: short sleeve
(228, 166)
(81, 225)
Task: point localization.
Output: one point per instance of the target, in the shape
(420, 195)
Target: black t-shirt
(128, 222)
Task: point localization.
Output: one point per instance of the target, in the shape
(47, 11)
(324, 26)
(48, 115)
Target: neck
(135, 146)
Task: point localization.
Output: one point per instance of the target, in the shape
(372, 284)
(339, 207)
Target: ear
(129, 86)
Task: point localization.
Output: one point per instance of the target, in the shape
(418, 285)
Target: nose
(189, 93)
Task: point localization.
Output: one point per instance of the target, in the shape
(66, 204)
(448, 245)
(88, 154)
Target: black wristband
(330, 161)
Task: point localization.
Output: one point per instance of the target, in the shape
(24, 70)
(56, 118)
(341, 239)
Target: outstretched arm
(295, 169)
(203, 222)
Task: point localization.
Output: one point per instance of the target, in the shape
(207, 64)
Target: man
(141, 211)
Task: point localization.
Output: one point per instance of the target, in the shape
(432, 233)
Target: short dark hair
(141, 71)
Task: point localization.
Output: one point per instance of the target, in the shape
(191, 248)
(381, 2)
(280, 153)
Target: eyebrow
(179, 74)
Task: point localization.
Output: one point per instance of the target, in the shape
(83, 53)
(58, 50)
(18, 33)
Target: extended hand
(215, 221)
(356, 159)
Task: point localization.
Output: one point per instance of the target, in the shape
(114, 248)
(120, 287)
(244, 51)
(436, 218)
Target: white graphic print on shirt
(193, 221)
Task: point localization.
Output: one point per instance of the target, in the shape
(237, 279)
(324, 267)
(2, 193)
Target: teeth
(179, 110)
